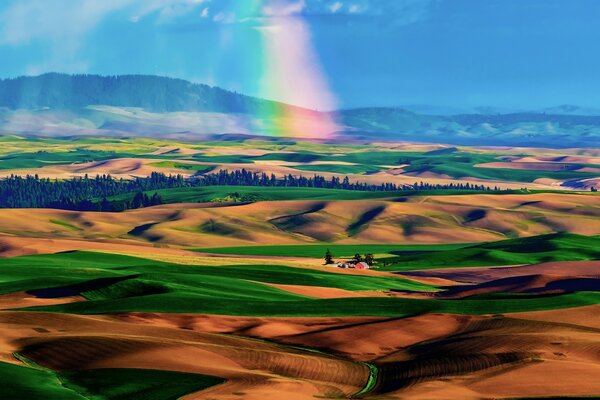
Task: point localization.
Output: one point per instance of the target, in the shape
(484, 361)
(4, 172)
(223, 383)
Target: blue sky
(457, 53)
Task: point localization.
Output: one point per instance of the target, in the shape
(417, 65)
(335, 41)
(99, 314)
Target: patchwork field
(368, 162)
(221, 291)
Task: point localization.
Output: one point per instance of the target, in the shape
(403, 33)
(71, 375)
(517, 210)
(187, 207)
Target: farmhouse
(353, 264)
(361, 265)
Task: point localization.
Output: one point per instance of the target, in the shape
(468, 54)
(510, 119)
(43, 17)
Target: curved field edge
(318, 250)
(363, 306)
(560, 246)
(24, 382)
(371, 382)
(404, 257)
(113, 283)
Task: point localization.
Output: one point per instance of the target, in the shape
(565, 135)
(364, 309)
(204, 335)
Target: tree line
(93, 193)
(248, 178)
(84, 194)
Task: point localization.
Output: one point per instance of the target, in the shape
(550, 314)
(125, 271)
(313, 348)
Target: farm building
(361, 265)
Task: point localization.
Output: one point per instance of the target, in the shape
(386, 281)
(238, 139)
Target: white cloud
(390, 11)
(335, 7)
(225, 17)
(354, 9)
(62, 26)
(36, 19)
(26, 21)
(283, 8)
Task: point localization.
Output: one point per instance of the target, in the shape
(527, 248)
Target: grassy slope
(25, 383)
(318, 250)
(364, 306)
(145, 285)
(458, 165)
(207, 194)
(20, 382)
(190, 167)
(530, 250)
(42, 158)
(454, 164)
(76, 267)
(210, 193)
(136, 384)
(340, 168)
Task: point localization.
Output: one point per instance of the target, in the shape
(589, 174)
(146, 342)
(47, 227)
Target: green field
(114, 283)
(189, 167)
(460, 165)
(203, 194)
(318, 250)
(453, 163)
(212, 193)
(340, 168)
(101, 275)
(43, 158)
(530, 250)
(26, 383)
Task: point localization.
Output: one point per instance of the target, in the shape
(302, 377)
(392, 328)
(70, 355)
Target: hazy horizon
(324, 54)
(422, 108)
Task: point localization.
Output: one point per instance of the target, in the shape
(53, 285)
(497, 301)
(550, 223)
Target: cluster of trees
(249, 178)
(92, 193)
(368, 258)
(84, 194)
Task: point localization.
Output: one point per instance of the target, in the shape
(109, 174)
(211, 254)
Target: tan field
(536, 166)
(542, 273)
(128, 168)
(436, 219)
(254, 367)
(543, 347)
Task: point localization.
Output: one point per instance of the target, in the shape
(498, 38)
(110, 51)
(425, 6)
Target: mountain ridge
(150, 105)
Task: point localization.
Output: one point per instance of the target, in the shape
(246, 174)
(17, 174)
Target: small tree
(138, 200)
(358, 257)
(105, 205)
(369, 259)
(328, 257)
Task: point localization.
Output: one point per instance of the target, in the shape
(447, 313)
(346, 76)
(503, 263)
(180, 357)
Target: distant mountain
(517, 129)
(455, 110)
(142, 105)
(569, 109)
(564, 109)
(152, 93)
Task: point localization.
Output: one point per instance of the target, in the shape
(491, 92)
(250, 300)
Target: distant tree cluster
(249, 178)
(368, 258)
(84, 194)
(92, 194)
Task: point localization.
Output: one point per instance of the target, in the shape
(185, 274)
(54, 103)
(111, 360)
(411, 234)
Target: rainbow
(284, 65)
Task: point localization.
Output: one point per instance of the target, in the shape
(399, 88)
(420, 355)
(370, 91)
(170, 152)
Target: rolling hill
(143, 105)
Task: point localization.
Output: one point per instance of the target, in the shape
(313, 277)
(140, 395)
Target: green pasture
(528, 250)
(115, 283)
(318, 250)
(26, 383)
